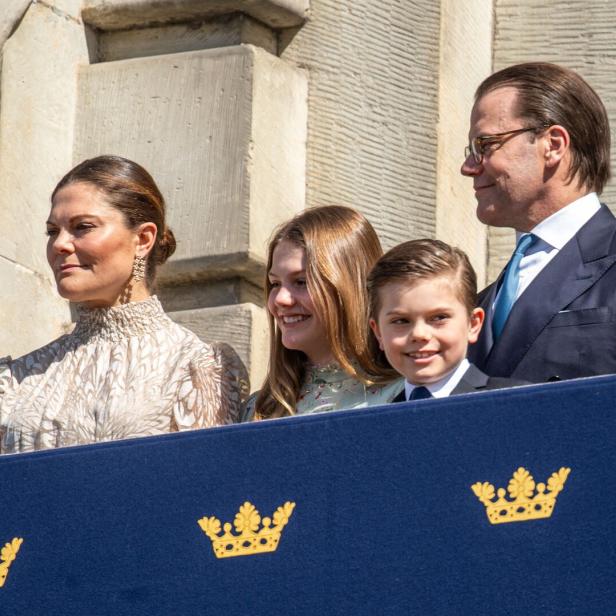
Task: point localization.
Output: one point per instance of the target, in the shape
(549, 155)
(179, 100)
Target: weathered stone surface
(38, 105)
(243, 326)
(12, 12)
(32, 313)
(579, 36)
(203, 294)
(222, 32)
(36, 141)
(68, 9)
(459, 73)
(122, 14)
(373, 109)
(223, 133)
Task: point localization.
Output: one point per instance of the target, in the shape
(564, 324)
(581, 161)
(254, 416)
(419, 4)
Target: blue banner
(497, 502)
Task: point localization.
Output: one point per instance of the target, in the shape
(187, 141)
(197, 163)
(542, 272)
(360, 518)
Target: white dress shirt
(553, 233)
(442, 388)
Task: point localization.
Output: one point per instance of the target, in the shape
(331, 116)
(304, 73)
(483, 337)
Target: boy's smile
(424, 328)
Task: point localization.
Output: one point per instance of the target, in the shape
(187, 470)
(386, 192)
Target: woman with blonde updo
(126, 369)
(317, 266)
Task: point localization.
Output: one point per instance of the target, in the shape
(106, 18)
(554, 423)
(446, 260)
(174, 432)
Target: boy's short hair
(420, 260)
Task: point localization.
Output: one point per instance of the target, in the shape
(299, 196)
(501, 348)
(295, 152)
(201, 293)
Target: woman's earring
(139, 269)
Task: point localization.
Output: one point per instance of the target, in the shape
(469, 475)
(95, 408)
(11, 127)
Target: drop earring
(138, 269)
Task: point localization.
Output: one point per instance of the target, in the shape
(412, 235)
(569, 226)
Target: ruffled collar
(118, 322)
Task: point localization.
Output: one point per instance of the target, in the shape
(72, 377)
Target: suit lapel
(578, 266)
(472, 380)
(401, 397)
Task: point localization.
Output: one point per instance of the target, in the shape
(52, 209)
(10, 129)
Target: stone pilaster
(38, 101)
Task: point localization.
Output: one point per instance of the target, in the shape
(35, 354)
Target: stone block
(223, 133)
(243, 326)
(225, 31)
(12, 12)
(39, 71)
(33, 314)
(124, 14)
(68, 9)
(203, 294)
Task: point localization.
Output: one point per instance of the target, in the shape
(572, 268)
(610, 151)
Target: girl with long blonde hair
(317, 265)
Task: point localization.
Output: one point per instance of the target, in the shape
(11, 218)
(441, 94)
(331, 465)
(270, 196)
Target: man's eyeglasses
(480, 145)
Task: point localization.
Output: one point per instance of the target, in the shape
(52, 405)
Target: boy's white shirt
(442, 388)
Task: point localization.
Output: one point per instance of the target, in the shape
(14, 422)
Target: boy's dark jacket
(474, 380)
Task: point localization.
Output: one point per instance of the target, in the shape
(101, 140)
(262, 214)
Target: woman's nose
(62, 243)
(284, 297)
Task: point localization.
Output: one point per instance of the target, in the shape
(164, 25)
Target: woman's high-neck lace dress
(123, 372)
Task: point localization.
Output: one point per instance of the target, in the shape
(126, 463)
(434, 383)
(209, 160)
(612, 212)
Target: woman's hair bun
(165, 246)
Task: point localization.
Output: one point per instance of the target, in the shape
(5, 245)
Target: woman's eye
(84, 226)
(274, 284)
(300, 282)
(50, 232)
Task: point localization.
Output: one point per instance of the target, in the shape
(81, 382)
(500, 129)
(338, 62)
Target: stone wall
(42, 46)
(389, 98)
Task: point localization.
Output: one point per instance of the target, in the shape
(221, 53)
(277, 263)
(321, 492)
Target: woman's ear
(374, 326)
(145, 236)
(477, 318)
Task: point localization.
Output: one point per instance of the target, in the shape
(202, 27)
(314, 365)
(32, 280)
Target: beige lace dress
(123, 372)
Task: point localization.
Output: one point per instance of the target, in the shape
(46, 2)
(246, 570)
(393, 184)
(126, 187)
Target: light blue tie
(509, 288)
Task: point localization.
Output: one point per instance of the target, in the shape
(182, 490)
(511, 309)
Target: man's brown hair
(549, 94)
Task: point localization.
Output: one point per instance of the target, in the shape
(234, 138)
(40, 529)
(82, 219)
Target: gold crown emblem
(525, 504)
(251, 539)
(7, 556)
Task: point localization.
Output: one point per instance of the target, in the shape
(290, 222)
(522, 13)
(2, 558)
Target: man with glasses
(539, 154)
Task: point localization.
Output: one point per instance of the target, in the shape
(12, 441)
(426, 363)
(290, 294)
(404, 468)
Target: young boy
(423, 314)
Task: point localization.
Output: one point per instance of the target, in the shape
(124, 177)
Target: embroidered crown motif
(525, 505)
(251, 539)
(7, 556)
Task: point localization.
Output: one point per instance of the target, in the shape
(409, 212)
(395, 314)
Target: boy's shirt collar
(442, 388)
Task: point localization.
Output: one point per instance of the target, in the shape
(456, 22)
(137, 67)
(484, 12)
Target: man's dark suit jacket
(473, 380)
(564, 324)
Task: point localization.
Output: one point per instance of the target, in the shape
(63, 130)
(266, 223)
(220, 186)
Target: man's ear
(557, 142)
(477, 318)
(374, 326)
